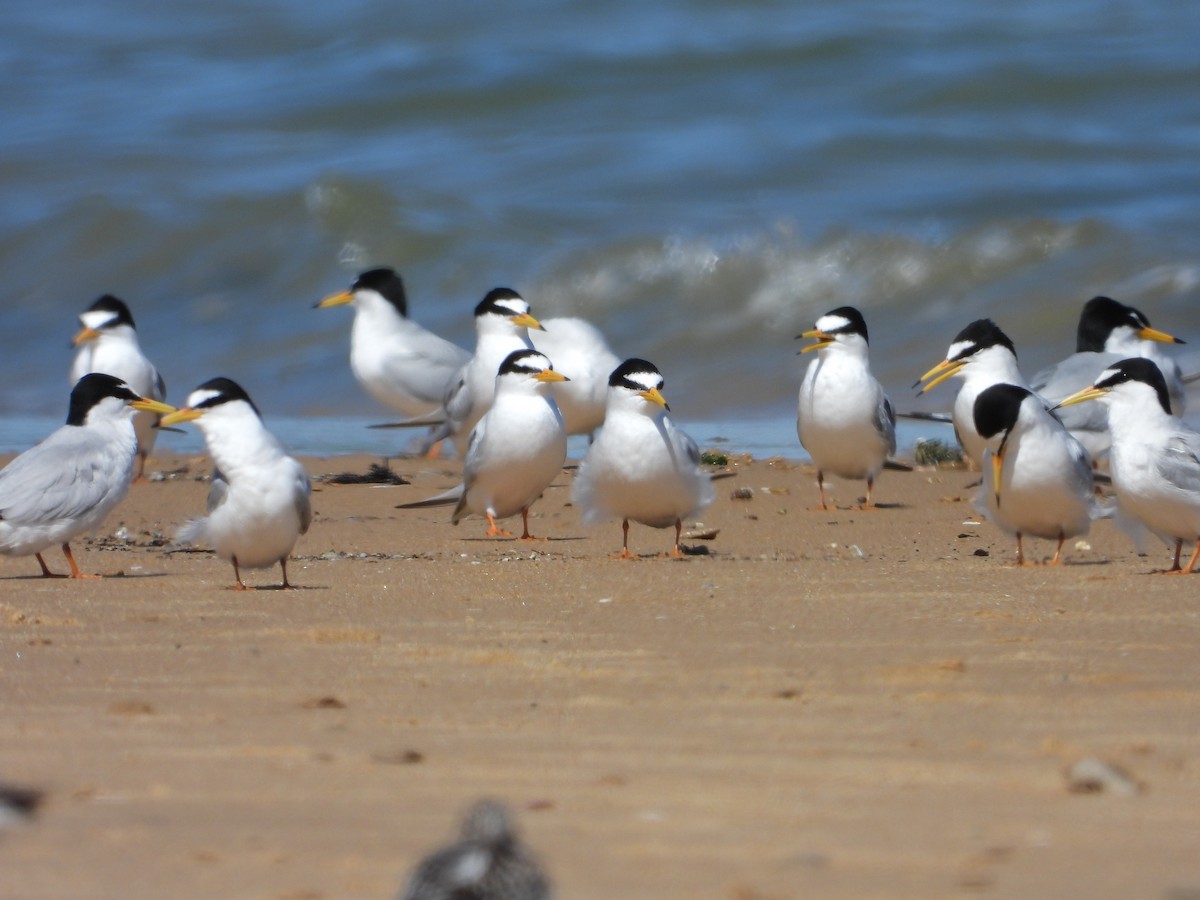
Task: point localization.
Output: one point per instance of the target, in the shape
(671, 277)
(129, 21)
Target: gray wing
(885, 421)
(1072, 374)
(476, 444)
(65, 476)
(219, 491)
(458, 399)
(1179, 463)
(303, 496)
(160, 387)
(429, 369)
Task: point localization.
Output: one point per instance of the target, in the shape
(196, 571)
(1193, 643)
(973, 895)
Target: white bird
(108, 342)
(67, 484)
(981, 355)
(1039, 481)
(502, 323)
(258, 505)
(399, 363)
(487, 862)
(844, 419)
(1155, 457)
(641, 466)
(515, 450)
(580, 352)
(1108, 332)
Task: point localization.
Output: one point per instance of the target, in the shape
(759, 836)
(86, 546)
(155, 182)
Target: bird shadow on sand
(534, 542)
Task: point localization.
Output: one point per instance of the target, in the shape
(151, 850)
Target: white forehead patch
(648, 380)
(960, 348)
(196, 398)
(513, 305)
(830, 324)
(96, 319)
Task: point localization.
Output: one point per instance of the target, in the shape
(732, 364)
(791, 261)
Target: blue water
(700, 179)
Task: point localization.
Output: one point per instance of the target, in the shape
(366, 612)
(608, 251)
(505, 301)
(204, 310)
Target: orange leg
(525, 535)
(75, 573)
(1058, 552)
(1175, 562)
(821, 489)
(1192, 562)
(237, 574)
(677, 552)
(287, 585)
(495, 530)
(46, 573)
(624, 554)
(870, 488)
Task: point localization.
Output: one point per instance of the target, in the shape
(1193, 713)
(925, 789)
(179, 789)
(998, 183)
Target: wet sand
(821, 704)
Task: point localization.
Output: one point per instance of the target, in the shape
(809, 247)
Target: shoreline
(835, 704)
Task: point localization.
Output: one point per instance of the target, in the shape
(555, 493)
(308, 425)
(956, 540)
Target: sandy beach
(817, 704)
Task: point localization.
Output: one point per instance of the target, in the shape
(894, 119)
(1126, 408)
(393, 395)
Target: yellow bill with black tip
(186, 414)
(528, 321)
(84, 335)
(549, 375)
(654, 395)
(1153, 334)
(341, 298)
(945, 369)
(155, 406)
(1088, 393)
(822, 339)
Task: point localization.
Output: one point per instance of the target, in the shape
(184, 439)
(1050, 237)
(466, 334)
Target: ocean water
(699, 179)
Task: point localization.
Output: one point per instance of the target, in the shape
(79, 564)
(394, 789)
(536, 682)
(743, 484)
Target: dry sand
(825, 704)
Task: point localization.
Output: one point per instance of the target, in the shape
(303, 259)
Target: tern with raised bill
(259, 504)
(107, 342)
(844, 419)
(1155, 458)
(67, 484)
(980, 355)
(641, 466)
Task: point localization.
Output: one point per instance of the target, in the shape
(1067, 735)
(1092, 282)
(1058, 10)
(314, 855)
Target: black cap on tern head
(222, 390)
(854, 322)
(90, 390)
(625, 375)
(979, 335)
(1099, 317)
(525, 361)
(116, 307)
(387, 283)
(491, 301)
(1138, 369)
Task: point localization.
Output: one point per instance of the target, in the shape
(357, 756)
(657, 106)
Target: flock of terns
(511, 403)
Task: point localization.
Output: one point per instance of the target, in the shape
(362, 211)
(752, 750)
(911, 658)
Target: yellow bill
(654, 395)
(155, 406)
(819, 336)
(341, 298)
(1088, 393)
(528, 321)
(186, 414)
(939, 373)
